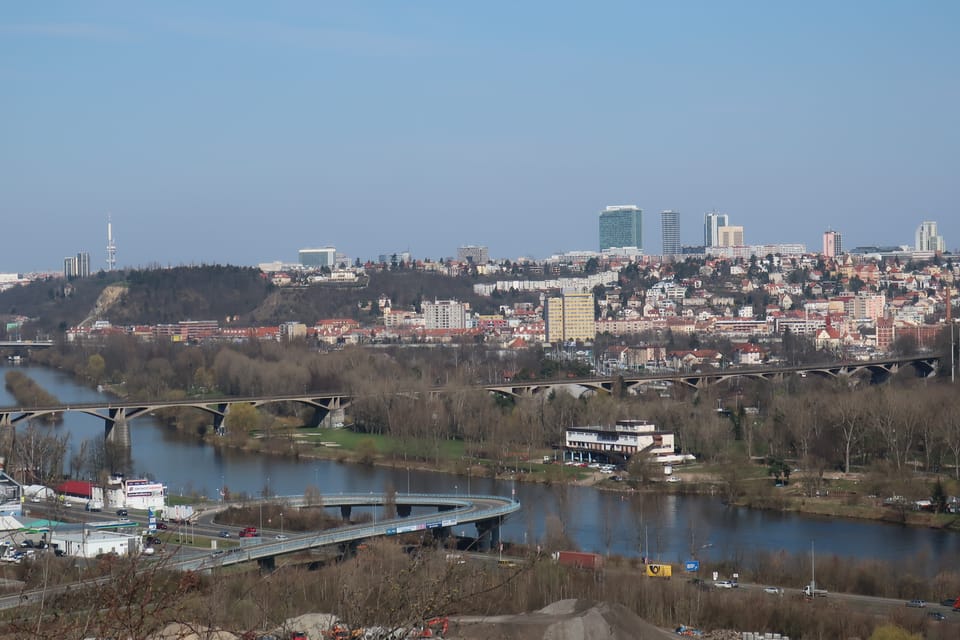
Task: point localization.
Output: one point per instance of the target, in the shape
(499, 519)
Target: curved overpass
(486, 512)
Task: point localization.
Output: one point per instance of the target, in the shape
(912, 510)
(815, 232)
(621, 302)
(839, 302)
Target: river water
(669, 527)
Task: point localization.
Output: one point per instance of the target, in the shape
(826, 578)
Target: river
(670, 527)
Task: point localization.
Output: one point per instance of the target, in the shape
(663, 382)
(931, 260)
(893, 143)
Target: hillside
(215, 292)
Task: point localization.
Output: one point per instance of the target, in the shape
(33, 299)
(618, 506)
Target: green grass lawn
(383, 445)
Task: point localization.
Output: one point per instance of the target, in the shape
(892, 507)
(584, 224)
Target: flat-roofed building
(570, 316)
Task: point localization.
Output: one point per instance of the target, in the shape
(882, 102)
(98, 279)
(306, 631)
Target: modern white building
(621, 441)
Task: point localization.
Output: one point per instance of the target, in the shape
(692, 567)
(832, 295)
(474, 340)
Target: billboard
(659, 570)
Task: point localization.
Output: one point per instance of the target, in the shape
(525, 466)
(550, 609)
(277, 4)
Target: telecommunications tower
(111, 247)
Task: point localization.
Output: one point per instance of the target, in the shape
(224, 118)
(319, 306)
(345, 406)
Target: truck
(94, 505)
(811, 591)
(579, 559)
(181, 513)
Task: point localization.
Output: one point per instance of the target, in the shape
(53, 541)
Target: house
(748, 354)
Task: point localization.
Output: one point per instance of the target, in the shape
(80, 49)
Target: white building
(135, 494)
(621, 441)
(445, 314)
(927, 239)
(90, 543)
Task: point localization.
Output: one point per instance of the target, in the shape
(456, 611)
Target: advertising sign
(692, 565)
(659, 570)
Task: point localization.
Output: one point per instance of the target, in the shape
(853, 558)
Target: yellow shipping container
(659, 570)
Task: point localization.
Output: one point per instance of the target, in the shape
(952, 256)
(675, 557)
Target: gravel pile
(563, 620)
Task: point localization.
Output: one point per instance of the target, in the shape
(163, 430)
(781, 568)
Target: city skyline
(239, 134)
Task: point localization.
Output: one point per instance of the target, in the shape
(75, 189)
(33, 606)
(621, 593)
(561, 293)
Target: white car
(673, 479)
(723, 584)
(280, 536)
(777, 591)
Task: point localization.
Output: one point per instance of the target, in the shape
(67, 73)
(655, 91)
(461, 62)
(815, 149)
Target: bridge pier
(220, 417)
(318, 416)
(117, 429)
(267, 564)
(441, 533)
(345, 511)
(5, 420)
(488, 534)
(404, 510)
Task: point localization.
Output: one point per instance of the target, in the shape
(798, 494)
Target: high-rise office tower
(712, 222)
(927, 238)
(730, 236)
(670, 230)
(83, 264)
(832, 244)
(570, 317)
(621, 226)
(70, 267)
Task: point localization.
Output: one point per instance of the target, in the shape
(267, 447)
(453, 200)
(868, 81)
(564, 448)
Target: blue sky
(238, 132)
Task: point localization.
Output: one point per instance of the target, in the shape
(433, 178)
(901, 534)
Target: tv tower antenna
(111, 247)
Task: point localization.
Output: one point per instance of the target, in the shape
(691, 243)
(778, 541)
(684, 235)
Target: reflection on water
(668, 527)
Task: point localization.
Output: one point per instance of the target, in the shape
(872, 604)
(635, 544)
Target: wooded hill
(216, 292)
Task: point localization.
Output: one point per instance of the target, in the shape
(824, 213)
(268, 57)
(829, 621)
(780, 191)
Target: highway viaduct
(117, 415)
(487, 513)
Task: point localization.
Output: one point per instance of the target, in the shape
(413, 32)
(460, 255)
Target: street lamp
(408, 480)
(281, 525)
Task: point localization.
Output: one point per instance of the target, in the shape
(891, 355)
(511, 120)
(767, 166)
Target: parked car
(917, 604)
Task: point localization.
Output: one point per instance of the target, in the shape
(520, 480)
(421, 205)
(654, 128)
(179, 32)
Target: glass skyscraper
(712, 222)
(621, 226)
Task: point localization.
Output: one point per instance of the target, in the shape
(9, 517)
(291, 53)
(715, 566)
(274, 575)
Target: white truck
(811, 591)
(95, 505)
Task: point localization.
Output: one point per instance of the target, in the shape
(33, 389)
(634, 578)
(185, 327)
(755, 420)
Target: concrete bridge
(25, 344)
(117, 415)
(486, 513)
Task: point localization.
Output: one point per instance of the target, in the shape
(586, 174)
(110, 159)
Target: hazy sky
(238, 132)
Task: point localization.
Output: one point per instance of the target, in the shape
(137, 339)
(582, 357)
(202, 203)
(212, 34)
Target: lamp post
(281, 525)
(408, 480)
